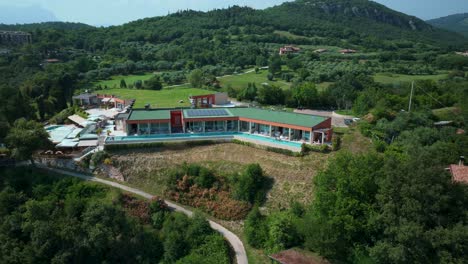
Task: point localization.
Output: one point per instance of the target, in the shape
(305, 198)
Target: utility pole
(411, 97)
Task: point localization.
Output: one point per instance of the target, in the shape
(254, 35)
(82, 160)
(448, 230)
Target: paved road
(236, 243)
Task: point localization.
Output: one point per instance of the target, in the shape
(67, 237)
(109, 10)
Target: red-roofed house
(459, 172)
(348, 51)
(288, 50)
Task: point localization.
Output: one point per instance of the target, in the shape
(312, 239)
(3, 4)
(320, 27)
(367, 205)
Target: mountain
(343, 23)
(359, 22)
(457, 23)
(361, 18)
(22, 15)
(45, 25)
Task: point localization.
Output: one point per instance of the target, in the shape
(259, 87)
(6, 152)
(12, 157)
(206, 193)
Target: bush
(256, 230)
(250, 184)
(98, 157)
(336, 143)
(205, 178)
(108, 161)
(380, 145)
(306, 148)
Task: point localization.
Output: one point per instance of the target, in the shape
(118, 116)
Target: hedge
(168, 145)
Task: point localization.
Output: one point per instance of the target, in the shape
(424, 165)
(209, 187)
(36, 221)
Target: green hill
(457, 23)
(361, 23)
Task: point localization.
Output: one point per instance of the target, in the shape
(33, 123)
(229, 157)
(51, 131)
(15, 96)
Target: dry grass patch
(292, 176)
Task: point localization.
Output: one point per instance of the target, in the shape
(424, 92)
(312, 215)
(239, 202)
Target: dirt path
(236, 243)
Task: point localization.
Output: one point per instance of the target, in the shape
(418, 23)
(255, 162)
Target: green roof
(149, 115)
(289, 118)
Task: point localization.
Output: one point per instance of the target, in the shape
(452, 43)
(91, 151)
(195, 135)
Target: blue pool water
(271, 140)
(167, 137)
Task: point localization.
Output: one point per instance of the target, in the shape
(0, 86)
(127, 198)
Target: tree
(343, 206)
(248, 186)
(271, 95)
(138, 84)
(26, 137)
(154, 83)
(294, 64)
(123, 84)
(248, 93)
(305, 95)
(255, 228)
(275, 64)
(196, 78)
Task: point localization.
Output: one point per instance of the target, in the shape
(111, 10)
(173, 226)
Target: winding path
(236, 243)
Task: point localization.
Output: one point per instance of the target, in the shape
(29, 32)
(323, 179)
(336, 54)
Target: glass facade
(232, 126)
(194, 127)
(159, 128)
(244, 126)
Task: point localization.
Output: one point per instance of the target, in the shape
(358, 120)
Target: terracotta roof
(459, 173)
(293, 257)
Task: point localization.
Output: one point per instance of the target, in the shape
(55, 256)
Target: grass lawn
(392, 78)
(163, 98)
(345, 112)
(114, 81)
(353, 141)
(323, 86)
(447, 113)
(242, 80)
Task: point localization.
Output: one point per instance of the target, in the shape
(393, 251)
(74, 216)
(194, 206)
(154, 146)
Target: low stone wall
(61, 163)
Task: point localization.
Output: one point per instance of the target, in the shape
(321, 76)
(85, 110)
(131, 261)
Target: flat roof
(143, 114)
(289, 118)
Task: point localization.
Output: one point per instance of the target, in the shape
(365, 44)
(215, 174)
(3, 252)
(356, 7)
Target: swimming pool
(207, 136)
(163, 137)
(270, 140)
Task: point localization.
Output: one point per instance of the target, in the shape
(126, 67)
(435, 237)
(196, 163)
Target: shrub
(205, 178)
(255, 229)
(305, 149)
(248, 186)
(380, 145)
(336, 143)
(98, 157)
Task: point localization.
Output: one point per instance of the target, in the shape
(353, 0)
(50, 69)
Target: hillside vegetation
(457, 23)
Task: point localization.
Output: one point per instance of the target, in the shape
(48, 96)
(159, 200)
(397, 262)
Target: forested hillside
(457, 23)
(48, 219)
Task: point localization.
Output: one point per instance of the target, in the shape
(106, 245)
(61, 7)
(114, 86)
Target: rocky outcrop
(110, 171)
(369, 10)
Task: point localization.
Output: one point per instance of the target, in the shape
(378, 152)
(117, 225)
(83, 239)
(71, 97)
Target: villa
(250, 123)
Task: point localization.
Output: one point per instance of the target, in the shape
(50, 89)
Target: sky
(115, 12)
